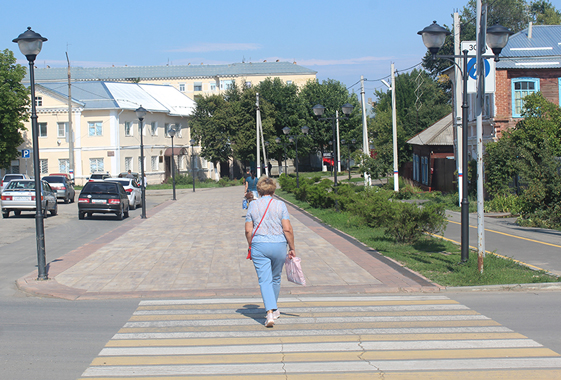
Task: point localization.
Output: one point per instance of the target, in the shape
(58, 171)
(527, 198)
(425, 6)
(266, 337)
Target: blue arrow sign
(472, 69)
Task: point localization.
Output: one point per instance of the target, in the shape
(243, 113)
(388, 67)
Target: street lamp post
(193, 162)
(171, 134)
(349, 144)
(30, 44)
(433, 37)
(318, 111)
(140, 113)
(286, 131)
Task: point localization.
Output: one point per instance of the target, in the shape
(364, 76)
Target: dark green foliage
(408, 222)
(14, 102)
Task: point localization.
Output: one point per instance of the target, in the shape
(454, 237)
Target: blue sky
(341, 40)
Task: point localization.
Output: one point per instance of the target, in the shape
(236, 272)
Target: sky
(341, 40)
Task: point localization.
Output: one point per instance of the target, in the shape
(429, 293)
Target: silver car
(8, 177)
(19, 196)
(131, 186)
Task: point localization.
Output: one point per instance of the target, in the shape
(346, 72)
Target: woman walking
(268, 232)
(251, 184)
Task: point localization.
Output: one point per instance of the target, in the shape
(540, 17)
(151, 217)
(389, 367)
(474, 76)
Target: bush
(287, 183)
(181, 179)
(504, 203)
(319, 195)
(408, 222)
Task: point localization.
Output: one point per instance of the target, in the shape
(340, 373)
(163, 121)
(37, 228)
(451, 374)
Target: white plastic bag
(294, 270)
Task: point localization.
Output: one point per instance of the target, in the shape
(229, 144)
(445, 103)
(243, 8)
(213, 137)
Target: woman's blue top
(270, 230)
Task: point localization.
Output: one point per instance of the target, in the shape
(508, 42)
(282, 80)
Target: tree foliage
(530, 153)
(14, 102)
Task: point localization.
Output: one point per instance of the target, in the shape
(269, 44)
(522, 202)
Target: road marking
(514, 236)
(388, 336)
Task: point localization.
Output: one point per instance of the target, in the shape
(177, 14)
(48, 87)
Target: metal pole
(338, 146)
(193, 165)
(172, 168)
(257, 136)
(39, 225)
(481, 45)
(143, 214)
(285, 161)
(349, 162)
(365, 146)
(297, 179)
(394, 128)
(464, 178)
(70, 130)
(457, 106)
(334, 168)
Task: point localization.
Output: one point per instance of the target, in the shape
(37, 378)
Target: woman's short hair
(266, 186)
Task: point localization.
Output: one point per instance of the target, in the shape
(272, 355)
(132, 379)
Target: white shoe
(276, 314)
(270, 322)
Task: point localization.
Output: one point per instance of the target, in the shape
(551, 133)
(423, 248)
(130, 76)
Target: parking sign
(26, 153)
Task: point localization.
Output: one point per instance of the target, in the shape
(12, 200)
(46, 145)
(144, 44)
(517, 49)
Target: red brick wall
(549, 86)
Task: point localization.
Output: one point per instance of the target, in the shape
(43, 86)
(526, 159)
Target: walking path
(195, 247)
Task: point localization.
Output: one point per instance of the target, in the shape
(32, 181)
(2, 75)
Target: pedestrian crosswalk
(352, 337)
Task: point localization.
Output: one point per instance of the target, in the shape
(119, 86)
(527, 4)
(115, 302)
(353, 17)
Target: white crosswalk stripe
(349, 337)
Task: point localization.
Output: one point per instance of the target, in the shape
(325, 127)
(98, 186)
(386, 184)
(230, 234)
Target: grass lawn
(434, 258)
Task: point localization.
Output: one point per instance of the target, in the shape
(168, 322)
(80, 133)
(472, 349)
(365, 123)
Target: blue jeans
(268, 259)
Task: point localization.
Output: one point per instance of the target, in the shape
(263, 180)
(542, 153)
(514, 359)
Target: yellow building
(107, 131)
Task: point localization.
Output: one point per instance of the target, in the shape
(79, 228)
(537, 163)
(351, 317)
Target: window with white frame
(226, 84)
(182, 87)
(181, 162)
(96, 165)
(128, 128)
(154, 163)
(198, 86)
(44, 165)
(167, 127)
(64, 165)
(62, 130)
(154, 128)
(178, 128)
(204, 163)
(42, 129)
(522, 87)
(38, 101)
(128, 164)
(212, 86)
(95, 128)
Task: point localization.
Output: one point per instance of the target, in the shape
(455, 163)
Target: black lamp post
(286, 131)
(349, 144)
(318, 111)
(171, 134)
(193, 161)
(140, 113)
(433, 37)
(30, 44)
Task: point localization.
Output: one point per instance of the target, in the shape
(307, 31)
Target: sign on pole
(26, 153)
(471, 47)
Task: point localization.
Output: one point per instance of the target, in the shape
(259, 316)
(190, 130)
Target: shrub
(287, 183)
(319, 195)
(409, 222)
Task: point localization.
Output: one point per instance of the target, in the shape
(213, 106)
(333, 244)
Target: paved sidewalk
(195, 247)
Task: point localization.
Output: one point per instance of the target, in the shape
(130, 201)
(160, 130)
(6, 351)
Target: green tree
(543, 12)
(14, 103)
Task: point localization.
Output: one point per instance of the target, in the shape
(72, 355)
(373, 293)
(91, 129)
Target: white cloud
(216, 46)
(331, 62)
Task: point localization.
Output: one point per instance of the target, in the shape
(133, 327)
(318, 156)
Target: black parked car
(63, 186)
(104, 198)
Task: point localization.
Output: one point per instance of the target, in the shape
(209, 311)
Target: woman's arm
(248, 231)
(289, 234)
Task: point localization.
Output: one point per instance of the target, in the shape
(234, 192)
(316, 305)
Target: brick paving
(195, 247)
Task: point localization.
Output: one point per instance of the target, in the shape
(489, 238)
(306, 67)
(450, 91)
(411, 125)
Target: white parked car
(132, 188)
(19, 196)
(8, 177)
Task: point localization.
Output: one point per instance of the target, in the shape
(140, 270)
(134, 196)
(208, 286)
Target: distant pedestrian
(247, 174)
(270, 167)
(129, 175)
(251, 184)
(268, 232)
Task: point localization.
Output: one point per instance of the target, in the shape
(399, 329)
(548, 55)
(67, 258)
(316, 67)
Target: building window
(167, 128)
(64, 165)
(94, 128)
(198, 86)
(38, 101)
(13, 169)
(44, 164)
(128, 164)
(154, 163)
(178, 129)
(248, 84)
(182, 87)
(62, 129)
(522, 87)
(226, 84)
(488, 107)
(425, 170)
(42, 129)
(154, 128)
(96, 165)
(212, 86)
(128, 128)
